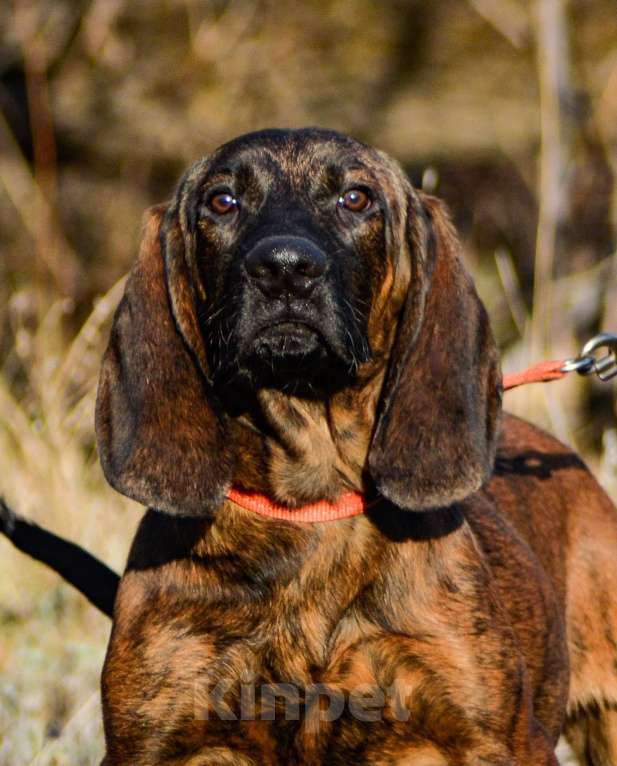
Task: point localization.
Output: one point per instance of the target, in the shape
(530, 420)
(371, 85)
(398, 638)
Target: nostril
(310, 266)
(260, 270)
(261, 264)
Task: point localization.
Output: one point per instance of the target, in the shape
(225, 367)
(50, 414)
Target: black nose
(286, 265)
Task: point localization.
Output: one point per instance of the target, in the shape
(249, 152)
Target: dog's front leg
(527, 744)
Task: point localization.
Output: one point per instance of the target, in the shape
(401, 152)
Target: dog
(349, 553)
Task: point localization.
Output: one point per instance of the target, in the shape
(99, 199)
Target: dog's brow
(240, 176)
(248, 166)
(220, 174)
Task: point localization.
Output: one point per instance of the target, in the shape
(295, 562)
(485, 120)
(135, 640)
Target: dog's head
(304, 261)
(287, 236)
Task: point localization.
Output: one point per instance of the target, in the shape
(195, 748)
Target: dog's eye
(223, 203)
(355, 200)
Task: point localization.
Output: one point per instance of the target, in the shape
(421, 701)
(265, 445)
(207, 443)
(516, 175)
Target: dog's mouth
(304, 347)
(289, 340)
(292, 354)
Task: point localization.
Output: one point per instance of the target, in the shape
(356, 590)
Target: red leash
(585, 364)
(538, 373)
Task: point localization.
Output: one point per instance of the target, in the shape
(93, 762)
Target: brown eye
(355, 200)
(223, 203)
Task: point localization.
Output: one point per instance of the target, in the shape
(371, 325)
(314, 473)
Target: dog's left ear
(434, 441)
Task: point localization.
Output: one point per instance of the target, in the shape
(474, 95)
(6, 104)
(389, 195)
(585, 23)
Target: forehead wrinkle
(340, 154)
(267, 168)
(297, 157)
(231, 157)
(298, 160)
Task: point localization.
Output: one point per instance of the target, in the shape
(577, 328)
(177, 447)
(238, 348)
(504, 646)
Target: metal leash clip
(586, 363)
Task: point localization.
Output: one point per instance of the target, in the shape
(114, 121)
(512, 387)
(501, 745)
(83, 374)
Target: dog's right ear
(159, 439)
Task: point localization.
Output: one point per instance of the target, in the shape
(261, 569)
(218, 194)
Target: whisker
(213, 315)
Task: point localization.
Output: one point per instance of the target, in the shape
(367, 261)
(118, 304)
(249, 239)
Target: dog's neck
(298, 450)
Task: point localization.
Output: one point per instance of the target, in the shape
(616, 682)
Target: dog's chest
(324, 682)
(338, 658)
(324, 655)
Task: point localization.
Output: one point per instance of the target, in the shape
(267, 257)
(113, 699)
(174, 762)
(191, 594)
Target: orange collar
(349, 504)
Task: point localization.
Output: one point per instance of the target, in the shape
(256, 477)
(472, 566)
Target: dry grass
(52, 642)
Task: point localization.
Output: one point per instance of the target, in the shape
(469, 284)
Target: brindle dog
(299, 324)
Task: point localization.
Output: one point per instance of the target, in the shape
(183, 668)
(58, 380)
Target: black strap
(81, 569)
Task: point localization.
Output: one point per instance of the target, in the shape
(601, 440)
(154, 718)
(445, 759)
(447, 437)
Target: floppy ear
(434, 441)
(159, 439)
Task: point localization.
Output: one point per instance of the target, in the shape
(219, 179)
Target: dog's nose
(286, 265)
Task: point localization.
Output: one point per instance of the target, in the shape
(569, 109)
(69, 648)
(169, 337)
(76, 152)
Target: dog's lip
(288, 326)
(275, 331)
(291, 335)
(284, 325)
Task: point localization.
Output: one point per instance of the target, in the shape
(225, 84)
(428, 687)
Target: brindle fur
(482, 610)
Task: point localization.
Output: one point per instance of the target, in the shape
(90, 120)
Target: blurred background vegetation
(507, 109)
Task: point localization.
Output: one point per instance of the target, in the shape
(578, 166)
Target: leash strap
(538, 373)
(586, 363)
